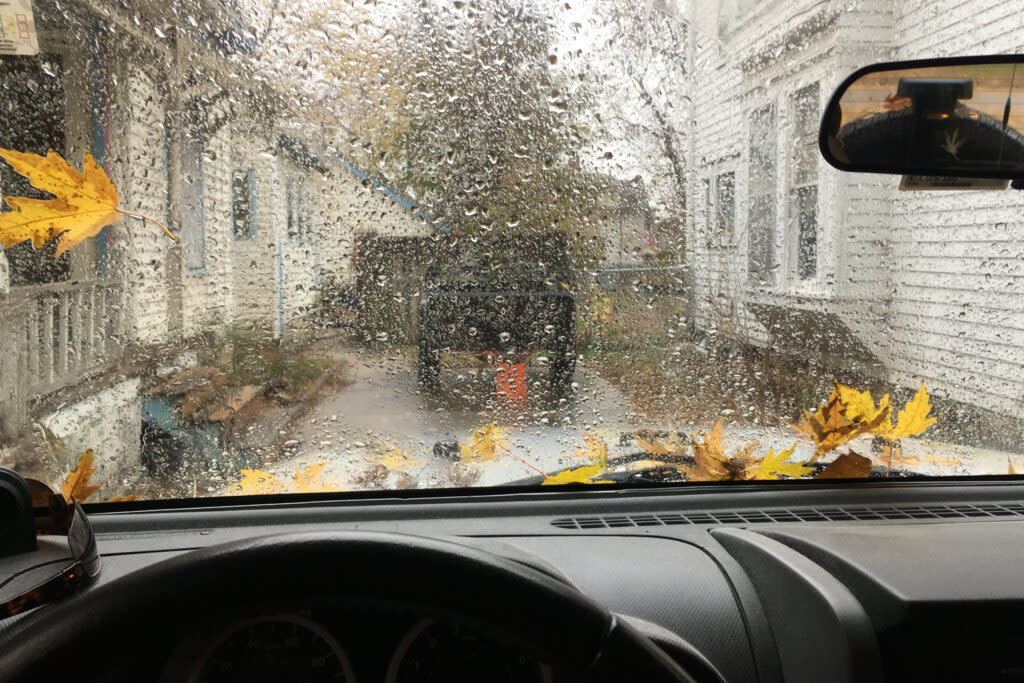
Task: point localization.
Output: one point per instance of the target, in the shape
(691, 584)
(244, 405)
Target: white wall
(931, 283)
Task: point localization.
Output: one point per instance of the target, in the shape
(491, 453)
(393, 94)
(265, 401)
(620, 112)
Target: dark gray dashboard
(860, 584)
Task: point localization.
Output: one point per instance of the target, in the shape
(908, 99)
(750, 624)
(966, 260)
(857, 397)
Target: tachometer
(443, 652)
(277, 648)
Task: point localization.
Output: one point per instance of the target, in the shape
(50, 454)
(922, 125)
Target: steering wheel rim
(564, 627)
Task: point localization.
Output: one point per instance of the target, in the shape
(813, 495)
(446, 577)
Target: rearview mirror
(958, 117)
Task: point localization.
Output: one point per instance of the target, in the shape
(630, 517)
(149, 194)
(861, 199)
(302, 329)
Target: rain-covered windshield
(257, 247)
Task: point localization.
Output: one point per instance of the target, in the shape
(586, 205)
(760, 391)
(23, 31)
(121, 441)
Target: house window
(725, 207)
(300, 208)
(761, 195)
(804, 190)
(707, 213)
(243, 203)
(193, 221)
(33, 94)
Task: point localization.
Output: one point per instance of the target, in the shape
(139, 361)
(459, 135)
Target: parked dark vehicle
(510, 294)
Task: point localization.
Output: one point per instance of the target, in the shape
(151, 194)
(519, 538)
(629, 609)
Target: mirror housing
(961, 117)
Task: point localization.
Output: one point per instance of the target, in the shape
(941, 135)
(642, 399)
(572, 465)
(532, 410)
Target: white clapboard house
(788, 252)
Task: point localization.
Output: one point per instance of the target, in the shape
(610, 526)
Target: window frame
(770, 195)
(248, 177)
(794, 227)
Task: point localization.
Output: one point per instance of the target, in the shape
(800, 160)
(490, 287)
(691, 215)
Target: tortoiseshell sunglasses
(56, 517)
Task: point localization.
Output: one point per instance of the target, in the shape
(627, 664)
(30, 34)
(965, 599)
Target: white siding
(931, 283)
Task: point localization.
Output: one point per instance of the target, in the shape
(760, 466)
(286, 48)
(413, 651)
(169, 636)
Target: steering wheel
(550, 620)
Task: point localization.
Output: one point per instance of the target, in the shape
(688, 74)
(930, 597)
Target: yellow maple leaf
(772, 465)
(258, 482)
(83, 202)
(76, 483)
(829, 427)
(484, 443)
(1009, 464)
(579, 475)
(858, 406)
(913, 419)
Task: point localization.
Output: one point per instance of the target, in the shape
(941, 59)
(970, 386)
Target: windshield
(257, 247)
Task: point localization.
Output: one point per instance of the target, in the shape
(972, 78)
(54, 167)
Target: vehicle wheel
(563, 367)
(428, 363)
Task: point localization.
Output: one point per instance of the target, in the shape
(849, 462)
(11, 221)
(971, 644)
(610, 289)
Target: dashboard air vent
(834, 514)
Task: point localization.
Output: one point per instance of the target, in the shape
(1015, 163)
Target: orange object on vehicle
(510, 384)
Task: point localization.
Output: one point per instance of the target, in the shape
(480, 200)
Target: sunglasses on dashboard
(54, 516)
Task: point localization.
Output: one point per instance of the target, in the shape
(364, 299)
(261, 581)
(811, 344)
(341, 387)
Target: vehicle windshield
(260, 247)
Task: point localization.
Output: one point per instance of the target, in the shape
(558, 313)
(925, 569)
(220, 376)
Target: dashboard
(779, 583)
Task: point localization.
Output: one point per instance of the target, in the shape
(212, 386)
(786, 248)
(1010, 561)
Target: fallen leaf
(858, 406)
(123, 499)
(847, 466)
(913, 419)
(709, 457)
(829, 428)
(596, 450)
(311, 479)
(83, 204)
(484, 443)
(395, 458)
(1009, 464)
(76, 484)
(580, 475)
(258, 482)
(771, 466)
(653, 445)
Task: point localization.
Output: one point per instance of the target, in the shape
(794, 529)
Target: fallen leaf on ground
(847, 466)
(596, 450)
(311, 479)
(484, 443)
(258, 482)
(76, 483)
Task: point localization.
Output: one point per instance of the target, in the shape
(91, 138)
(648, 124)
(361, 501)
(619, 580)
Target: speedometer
(277, 648)
(443, 652)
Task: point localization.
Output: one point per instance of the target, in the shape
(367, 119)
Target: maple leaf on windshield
(84, 202)
(311, 479)
(579, 475)
(772, 465)
(710, 461)
(913, 419)
(76, 484)
(829, 427)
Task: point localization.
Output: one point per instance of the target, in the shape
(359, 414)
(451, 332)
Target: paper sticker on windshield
(17, 28)
(930, 182)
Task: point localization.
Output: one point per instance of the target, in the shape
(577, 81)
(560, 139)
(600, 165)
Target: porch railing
(52, 336)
